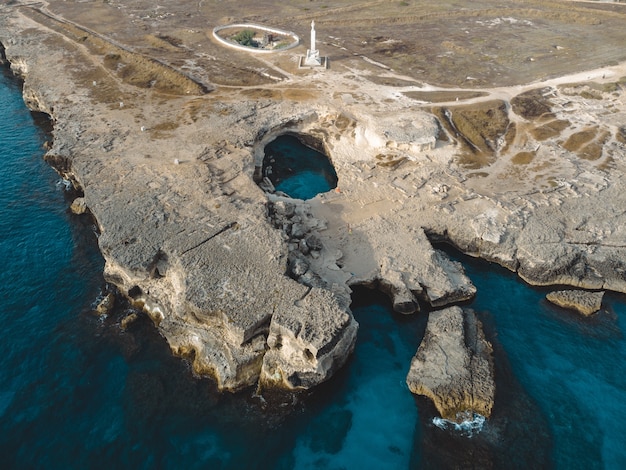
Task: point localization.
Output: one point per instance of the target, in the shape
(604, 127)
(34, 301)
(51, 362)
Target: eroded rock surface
(586, 303)
(307, 344)
(454, 365)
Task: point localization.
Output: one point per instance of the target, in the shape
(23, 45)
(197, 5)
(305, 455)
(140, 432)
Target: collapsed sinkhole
(295, 168)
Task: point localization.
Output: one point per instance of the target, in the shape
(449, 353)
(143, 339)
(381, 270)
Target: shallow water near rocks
(76, 391)
(298, 170)
(572, 367)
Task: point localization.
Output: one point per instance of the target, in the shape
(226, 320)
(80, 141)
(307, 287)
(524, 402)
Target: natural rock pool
(297, 170)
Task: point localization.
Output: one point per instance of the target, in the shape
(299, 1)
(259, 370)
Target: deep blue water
(76, 391)
(298, 170)
(573, 368)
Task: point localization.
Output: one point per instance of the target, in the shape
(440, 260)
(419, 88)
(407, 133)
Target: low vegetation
(578, 139)
(443, 96)
(245, 38)
(523, 158)
(478, 128)
(132, 68)
(549, 129)
(389, 161)
(532, 104)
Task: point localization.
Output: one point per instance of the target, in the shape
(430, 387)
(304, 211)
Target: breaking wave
(64, 184)
(467, 427)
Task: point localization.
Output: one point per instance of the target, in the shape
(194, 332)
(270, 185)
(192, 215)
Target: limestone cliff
(454, 366)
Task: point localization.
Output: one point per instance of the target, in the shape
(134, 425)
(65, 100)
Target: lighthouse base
(312, 60)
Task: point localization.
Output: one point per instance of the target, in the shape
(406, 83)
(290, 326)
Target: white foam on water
(64, 184)
(465, 428)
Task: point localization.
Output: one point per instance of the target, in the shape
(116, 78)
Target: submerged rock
(454, 365)
(586, 303)
(128, 320)
(79, 206)
(106, 304)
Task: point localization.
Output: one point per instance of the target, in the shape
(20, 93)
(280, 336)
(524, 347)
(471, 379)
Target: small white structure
(313, 58)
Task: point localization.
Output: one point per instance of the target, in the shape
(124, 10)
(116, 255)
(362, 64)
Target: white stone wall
(234, 45)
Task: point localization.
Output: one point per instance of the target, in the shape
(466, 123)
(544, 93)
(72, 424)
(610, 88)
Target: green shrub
(245, 38)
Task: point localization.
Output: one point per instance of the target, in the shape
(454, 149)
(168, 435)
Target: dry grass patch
(197, 108)
(163, 130)
(164, 42)
(299, 95)
(509, 137)
(389, 161)
(523, 158)
(550, 129)
(390, 81)
(578, 139)
(259, 93)
(477, 128)
(135, 69)
(532, 104)
(551, 181)
(591, 95)
(620, 135)
(100, 85)
(591, 91)
(343, 122)
(607, 165)
(166, 126)
(433, 42)
(593, 150)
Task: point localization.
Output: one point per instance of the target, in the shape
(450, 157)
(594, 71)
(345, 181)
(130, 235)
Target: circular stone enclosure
(255, 38)
(296, 168)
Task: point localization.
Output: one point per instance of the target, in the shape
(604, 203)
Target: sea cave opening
(297, 169)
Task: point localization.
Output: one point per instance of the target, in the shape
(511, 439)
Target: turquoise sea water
(297, 170)
(76, 391)
(573, 368)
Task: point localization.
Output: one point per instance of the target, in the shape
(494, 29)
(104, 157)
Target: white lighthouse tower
(313, 58)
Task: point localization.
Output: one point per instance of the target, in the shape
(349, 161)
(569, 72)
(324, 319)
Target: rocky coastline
(255, 288)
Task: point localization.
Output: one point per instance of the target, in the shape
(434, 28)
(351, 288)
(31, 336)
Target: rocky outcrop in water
(454, 365)
(106, 304)
(585, 303)
(308, 343)
(79, 206)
